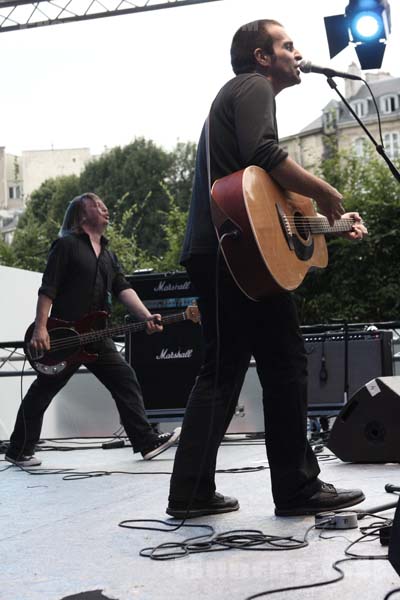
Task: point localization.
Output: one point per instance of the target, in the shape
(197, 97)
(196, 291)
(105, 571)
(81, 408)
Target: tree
(362, 281)
(180, 176)
(174, 230)
(140, 184)
(133, 176)
(40, 223)
(6, 254)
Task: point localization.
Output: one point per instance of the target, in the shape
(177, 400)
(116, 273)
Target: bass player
(81, 276)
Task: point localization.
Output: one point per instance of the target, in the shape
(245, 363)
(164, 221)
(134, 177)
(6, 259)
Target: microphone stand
(378, 147)
(388, 488)
(346, 361)
(396, 174)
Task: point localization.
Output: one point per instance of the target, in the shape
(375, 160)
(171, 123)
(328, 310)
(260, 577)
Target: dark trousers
(269, 331)
(114, 373)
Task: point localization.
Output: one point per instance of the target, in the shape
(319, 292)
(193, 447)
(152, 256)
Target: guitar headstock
(192, 313)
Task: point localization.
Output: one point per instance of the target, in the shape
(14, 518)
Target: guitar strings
(317, 224)
(92, 336)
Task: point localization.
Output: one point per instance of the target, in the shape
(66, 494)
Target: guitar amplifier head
(163, 291)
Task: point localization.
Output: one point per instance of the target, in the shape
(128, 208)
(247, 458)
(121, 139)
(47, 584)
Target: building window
(360, 107)
(11, 193)
(329, 120)
(359, 147)
(391, 142)
(389, 104)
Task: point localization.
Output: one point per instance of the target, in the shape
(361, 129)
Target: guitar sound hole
(64, 342)
(302, 226)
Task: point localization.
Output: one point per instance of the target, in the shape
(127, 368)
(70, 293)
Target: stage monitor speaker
(369, 354)
(367, 430)
(394, 542)
(166, 364)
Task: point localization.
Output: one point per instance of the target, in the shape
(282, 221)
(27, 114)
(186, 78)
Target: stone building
(336, 125)
(21, 175)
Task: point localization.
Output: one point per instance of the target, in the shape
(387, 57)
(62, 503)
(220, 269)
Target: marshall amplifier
(163, 291)
(369, 355)
(166, 364)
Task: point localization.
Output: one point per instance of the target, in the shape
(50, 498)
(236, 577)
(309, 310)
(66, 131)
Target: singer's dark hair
(75, 214)
(247, 38)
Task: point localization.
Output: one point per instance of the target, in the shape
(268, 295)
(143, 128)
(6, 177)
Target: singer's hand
(330, 204)
(359, 229)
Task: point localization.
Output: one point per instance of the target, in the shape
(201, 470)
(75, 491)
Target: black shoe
(216, 505)
(327, 498)
(161, 443)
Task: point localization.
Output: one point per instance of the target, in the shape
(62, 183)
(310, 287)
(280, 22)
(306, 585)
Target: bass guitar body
(67, 346)
(70, 340)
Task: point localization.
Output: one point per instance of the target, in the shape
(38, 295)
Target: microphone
(306, 66)
(389, 487)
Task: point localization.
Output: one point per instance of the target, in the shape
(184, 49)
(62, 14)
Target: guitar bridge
(287, 231)
(49, 369)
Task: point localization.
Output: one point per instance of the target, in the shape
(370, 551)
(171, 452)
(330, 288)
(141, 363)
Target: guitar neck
(109, 332)
(321, 225)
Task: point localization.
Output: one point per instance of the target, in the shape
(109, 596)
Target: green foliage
(40, 223)
(132, 177)
(6, 254)
(180, 176)
(147, 191)
(362, 281)
(30, 247)
(174, 230)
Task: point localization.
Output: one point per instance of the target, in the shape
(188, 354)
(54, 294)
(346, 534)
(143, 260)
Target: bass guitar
(270, 238)
(68, 340)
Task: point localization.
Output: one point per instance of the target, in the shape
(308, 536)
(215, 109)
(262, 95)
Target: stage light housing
(366, 25)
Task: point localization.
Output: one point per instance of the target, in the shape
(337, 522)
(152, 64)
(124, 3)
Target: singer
(243, 132)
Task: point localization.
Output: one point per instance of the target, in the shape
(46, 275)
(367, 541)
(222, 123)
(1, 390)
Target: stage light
(366, 25)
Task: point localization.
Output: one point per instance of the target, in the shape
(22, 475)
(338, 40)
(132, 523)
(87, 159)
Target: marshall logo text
(163, 286)
(166, 354)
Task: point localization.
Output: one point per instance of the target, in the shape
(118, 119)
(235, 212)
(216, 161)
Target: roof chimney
(352, 85)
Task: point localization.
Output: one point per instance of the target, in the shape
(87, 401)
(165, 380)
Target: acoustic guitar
(270, 238)
(68, 339)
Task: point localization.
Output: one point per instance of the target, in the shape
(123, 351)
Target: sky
(101, 83)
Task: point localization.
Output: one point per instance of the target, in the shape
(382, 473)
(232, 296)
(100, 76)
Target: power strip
(331, 520)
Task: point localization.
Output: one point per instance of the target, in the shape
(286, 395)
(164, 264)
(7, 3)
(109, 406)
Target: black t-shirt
(77, 280)
(243, 132)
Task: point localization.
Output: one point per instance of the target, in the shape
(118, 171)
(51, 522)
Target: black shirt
(243, 132)
(79, 282)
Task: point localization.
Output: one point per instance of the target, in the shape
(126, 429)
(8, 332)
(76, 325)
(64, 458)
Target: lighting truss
(27, 14)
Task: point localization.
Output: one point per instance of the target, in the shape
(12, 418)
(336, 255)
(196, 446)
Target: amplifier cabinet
(166, 364)
(369, 355)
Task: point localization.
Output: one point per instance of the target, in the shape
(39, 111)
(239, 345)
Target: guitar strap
(207, 139)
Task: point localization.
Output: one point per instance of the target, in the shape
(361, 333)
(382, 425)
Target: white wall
(39, 165)
(83, 408)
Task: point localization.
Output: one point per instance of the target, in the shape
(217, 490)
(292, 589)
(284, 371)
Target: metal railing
(28, 14)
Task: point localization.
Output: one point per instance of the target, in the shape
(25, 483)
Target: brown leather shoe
(326, 499)
(214, 506)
